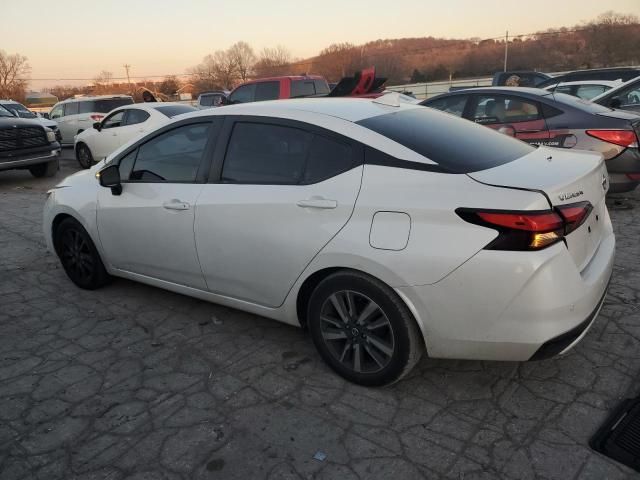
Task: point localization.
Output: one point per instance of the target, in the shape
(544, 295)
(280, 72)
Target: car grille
(22, 137)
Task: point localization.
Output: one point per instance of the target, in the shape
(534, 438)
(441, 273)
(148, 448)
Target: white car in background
(74, 115)
(385, 228)
(585, 89)
(21, 111)
(122, 125)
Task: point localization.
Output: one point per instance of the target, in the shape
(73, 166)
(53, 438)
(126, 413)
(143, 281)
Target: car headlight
(51, 135)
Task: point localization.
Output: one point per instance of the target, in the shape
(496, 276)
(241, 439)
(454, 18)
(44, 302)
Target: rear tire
(48, 169)
(84, 156)
(363, 330)
(79, 256)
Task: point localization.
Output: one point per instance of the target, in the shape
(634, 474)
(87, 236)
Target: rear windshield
(103, 106)
(173, 110)
(580, 103)
(457, 145)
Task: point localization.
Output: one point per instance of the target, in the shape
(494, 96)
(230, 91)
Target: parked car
(541, 117)
(212, 99)
(623, 97)
(120, 126)
(376, 224)
(278, 88)
(26, 144)
(77, 114)
(585, 89)
(21, 111)
(616, 73)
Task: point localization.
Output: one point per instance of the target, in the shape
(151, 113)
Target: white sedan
(585, 89)
(386, 229)
(120, 126)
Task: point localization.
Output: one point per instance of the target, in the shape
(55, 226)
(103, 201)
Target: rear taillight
(633, 176)
(624, 138)
(96, 117)
(522, 230)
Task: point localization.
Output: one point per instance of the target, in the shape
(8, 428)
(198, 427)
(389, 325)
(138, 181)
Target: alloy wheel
(76, 255)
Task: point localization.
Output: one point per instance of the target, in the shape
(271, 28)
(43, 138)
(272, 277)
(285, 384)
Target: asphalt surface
(135, 382)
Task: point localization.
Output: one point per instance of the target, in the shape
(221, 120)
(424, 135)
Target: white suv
(77, 114)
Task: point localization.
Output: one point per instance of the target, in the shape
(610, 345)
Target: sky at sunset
(79, 38)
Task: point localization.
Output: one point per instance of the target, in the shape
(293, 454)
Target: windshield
(457, 145)
(5, 113)
(580, 103)
(19, 110)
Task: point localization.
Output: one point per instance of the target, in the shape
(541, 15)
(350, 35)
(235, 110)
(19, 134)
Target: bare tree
(241, 54)
(273, 61)
(14, 70)
(169, 85)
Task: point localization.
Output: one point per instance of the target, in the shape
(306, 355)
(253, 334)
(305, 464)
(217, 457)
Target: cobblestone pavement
(138, 383)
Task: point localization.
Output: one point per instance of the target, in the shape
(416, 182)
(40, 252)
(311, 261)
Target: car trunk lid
(565, 178)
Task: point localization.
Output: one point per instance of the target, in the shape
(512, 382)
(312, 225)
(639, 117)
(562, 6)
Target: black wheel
(79, 256)
(48, 169)
(363, 330)
(83, 155)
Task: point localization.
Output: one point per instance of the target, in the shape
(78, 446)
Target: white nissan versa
(384, 228)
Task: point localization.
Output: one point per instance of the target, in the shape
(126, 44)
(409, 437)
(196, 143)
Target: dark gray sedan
(553, 119)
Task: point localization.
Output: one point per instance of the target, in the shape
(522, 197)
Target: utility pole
(127, 67)
(506, 49)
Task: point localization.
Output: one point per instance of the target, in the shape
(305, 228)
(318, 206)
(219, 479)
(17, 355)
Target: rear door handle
(176, 204)
(317, 202)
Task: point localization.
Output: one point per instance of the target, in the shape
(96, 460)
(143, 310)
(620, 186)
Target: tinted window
(172, 156)
(70, 108)
(135, 116)
(454, 105)
(322, 87)
(267, 91)
(503, 109)
(302, 88)
(261, 153)
(126, 164)
(327, 158)
(455, 144)
(19, 110)
(103, 106)
(114, 120)
(243, 94)
(173, 110)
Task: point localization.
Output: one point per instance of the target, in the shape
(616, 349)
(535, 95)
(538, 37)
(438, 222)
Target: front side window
(70, 109)
(113, 121)
(267, 91)
(57, 112)
(243, 94)
(20, 110)
(135, 116)
(491, 109)
(453, 105)
(172, 156)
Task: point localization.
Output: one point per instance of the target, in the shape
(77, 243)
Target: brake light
(523, 230)
(96, 117)
(624, 138)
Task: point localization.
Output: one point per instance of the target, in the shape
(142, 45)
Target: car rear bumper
(508, 305)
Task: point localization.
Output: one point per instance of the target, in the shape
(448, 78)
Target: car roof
(350, 109)
(610, 83)
(94, 97)
(283, 77)
(153, 105)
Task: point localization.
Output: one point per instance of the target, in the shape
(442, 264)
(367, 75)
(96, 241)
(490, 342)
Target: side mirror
(615, 102)
(507, 130)
(110, 178)
(97, 126)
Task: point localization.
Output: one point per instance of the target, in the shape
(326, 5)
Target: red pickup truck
(362, 84)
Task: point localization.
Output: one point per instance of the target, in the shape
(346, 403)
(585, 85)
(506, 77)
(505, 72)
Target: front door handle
(317, 202)
(175, 204)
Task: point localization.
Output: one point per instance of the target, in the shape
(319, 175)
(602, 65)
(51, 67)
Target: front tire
(363, 330)
(47, 169)
(84, 156)
(79, 256)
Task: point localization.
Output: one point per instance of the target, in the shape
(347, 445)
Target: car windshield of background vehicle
(455, 144)
(20, 110)
(173, 110)
(5, 113)
(584, 105)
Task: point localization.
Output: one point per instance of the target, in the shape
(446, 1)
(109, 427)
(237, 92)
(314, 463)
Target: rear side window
(457, 145)
(267, 91)
(70, 108)
(275, 154)
(172, 156)
(135, 116)
(491, 109)
(302, 88)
